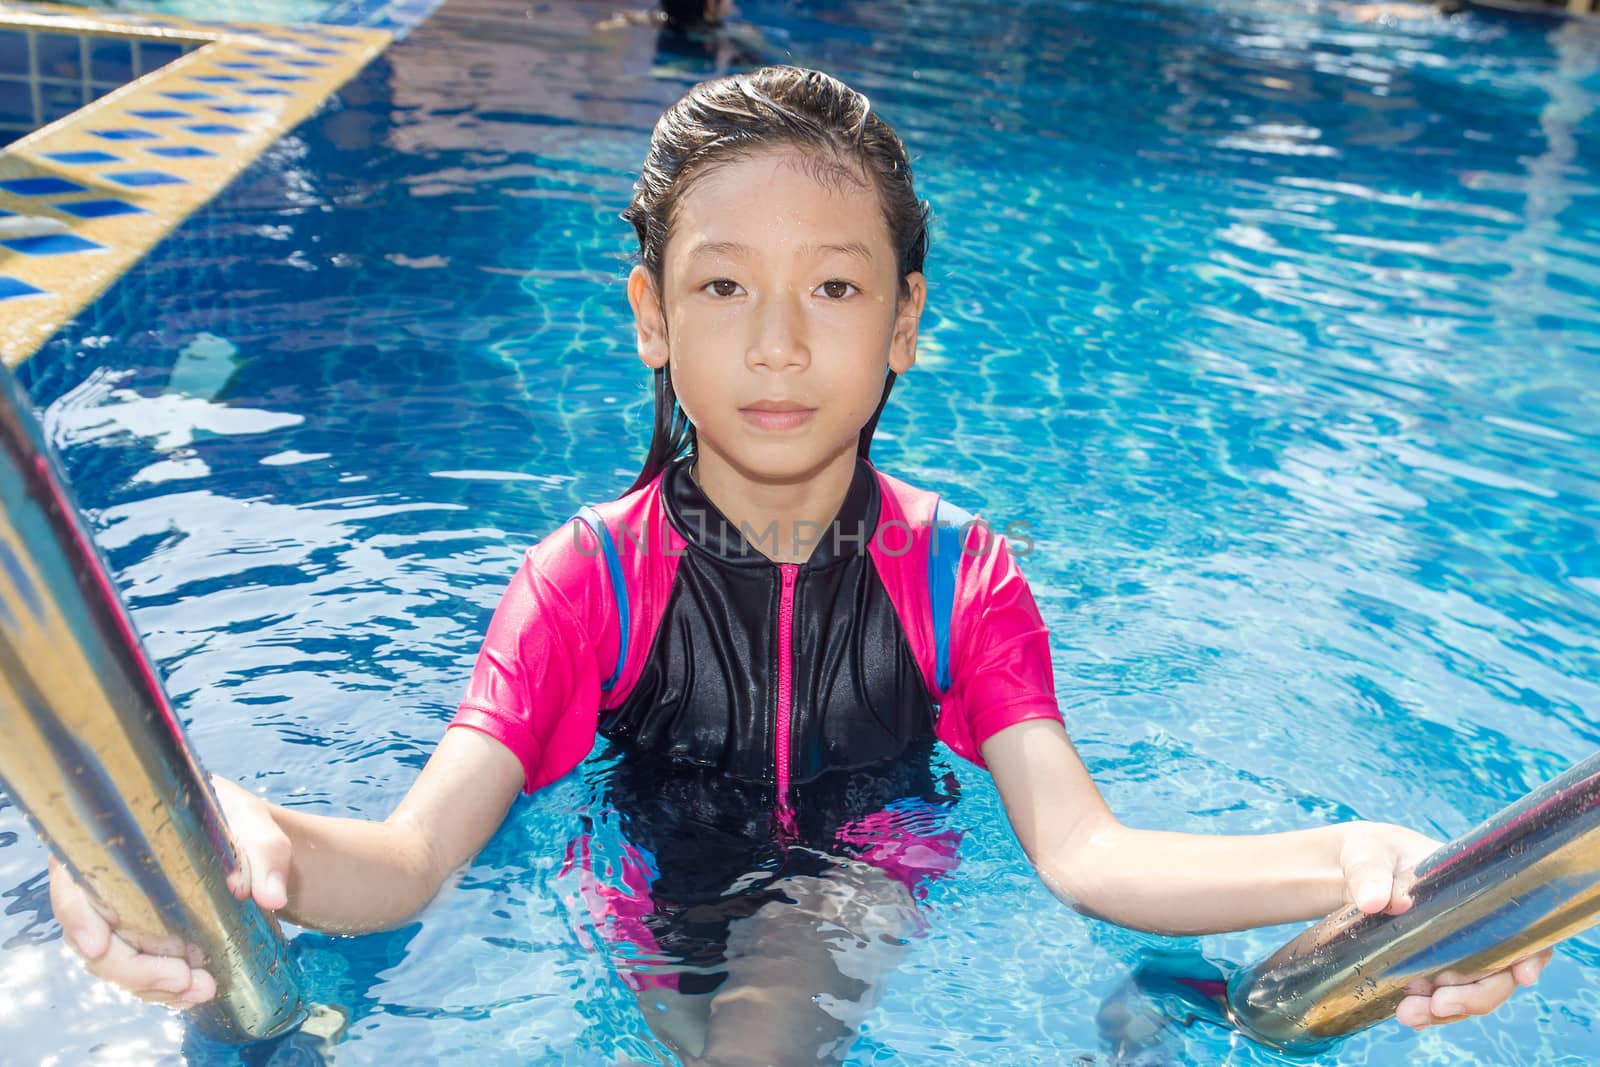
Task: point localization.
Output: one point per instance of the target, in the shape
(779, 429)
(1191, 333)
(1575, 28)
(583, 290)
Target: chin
(783, 461)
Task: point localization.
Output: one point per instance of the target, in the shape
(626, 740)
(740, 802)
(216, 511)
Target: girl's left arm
(1176, 883)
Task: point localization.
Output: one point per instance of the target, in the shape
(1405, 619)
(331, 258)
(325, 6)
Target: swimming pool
(1278, 329)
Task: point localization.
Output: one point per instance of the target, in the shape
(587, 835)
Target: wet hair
(734, 118)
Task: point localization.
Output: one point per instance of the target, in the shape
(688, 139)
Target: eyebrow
(854, 249)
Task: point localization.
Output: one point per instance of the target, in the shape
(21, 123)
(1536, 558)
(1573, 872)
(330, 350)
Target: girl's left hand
(1378, 859)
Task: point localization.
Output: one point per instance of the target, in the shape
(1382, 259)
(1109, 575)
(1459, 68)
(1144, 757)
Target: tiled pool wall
(121, 126)
(46, 75)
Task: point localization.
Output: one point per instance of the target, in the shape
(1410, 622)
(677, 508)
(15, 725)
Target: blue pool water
(1279, 328)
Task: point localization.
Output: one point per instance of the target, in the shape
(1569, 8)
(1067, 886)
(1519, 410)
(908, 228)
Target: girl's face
(779, 313)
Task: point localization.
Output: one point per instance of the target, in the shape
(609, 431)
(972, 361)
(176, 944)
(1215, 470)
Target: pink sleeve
(999, 650)
(536, 685)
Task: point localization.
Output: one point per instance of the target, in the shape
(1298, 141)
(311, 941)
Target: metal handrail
(1524, 880)
(98, 762)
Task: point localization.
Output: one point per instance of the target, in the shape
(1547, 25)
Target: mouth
(777, 414)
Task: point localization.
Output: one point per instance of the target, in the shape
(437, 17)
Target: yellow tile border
(70, 281)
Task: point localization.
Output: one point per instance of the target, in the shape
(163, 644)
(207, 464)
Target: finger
(201, 989)
(1414, 1012)
(239, 878)
(139, 972)
(271, 890)
(1477, 998)
(1400, 892)
(1405, 850)
(163, 1000)
(1369, 883)
(262, 846)
(154, 978)
(90, 940)
(268, 850)
(175, 1003)
(142, 974)
(1526, 971)
(233, 802)
(81, 925)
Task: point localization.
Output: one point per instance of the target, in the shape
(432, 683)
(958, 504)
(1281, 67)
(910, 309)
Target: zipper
(788, 572)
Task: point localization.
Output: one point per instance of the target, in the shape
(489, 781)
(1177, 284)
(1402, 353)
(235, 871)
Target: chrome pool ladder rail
(98, 762)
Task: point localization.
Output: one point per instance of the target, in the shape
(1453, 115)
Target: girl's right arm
(339, 875)
(1187, 884)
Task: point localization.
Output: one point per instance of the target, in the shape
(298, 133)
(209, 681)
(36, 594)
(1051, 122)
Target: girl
(772, 635)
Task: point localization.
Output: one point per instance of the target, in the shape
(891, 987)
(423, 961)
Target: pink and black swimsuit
(762, 716)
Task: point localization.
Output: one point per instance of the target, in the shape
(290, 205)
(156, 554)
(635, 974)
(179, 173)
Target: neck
(799, 507)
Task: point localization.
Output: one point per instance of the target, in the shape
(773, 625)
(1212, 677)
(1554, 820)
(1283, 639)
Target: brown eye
(723, 287)
(835, 289)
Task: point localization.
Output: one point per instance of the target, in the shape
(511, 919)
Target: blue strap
(619, 589)
(944, 566)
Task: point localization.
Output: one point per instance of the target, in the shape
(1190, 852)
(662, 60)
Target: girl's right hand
(177, 978)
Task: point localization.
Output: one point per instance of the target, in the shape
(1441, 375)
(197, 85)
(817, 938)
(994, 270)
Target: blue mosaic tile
(190, 94)
(265, 53)
(305, 63)
(324, 51)
(238, 109)
(240, 64)
(99, 209)
(110, 59)
(11, 288)
(40, 186)
(82, 159)
(153, 54)
(217, 79)
(181, 151)
(266, 92)
(52, 244)
(126, 135)
(285, 77)
(138, 179)
(16, 103)
(58, 101)
(158, 114)
(59, 55)
(214, 129)
(14, 51)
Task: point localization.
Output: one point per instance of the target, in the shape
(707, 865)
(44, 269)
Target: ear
(649, 320)
(903, 345)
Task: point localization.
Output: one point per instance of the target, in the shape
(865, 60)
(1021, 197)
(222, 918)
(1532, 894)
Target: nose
(780, 341)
